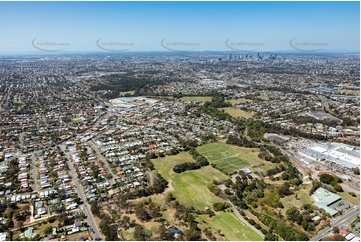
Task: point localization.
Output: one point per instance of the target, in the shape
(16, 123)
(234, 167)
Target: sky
(179, 26)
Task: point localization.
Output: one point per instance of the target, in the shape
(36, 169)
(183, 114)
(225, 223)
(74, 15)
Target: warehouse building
(324, 199)
(341, 154)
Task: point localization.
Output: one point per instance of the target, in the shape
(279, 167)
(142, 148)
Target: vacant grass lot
(302, 198)
(196, 98)
(348, 197)
(237, 113)
(230, 158)
(229, 225)
(238, 101)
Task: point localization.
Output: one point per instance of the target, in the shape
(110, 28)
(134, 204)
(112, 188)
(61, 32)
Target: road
(85, 206)
(105, 162)
(34, 172)
(33, 162)
(344, 219)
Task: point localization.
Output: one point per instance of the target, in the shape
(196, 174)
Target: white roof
(3, 236)
(318, 149)
(350, 236)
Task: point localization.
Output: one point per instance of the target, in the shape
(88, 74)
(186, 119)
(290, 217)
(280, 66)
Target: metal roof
(325, 198)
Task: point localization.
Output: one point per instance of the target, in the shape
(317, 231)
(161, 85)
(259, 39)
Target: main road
(85, 206)
(344, 219)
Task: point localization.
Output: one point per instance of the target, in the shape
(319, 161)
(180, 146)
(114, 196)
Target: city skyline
(179, 26)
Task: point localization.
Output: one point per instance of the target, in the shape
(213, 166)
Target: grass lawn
(230, 158)
(291, 200)
(39, 229)
(76, 120)
(128, 92)
(74, 237)
(196, 98)
(230, 226)
(237, 113)
(161, 97)
(165, 165)
(238, 101)
(348, 197)
(190, 187)
(350, 92)
(128, 234)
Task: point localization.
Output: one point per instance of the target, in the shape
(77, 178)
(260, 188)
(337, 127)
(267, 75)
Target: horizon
(119, 27)
(165, 52)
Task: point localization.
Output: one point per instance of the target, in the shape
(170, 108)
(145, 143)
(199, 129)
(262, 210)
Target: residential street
(85, 206)
(344, 219)
(102, 158)
(34, 172)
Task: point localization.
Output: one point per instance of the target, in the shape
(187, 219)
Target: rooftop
(324, 199)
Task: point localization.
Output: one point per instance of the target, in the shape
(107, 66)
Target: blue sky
(141, 26)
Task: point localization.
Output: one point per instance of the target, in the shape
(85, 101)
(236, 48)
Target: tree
(338, 188)
(220, 206)
(336, 230)
(169, 197)
(48, 230)
(164, 234)
(76, 199)
(95, 209)
(293, 215)
(326, 178)
(154, 210)
(284, 190)
(270, 237)
(192, 235)
(141, 213)
(139, 233)
(352, 194)
(356, 170)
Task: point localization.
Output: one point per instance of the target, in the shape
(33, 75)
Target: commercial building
(341, 154)
(324, 199)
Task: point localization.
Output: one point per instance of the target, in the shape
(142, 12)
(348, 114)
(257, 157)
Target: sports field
(76, 120)
(237, 113)
(230, 158)
(165, 165)
(232, 228)
(189, 187)
(350, 92)
(196, 98)
(125, 93)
